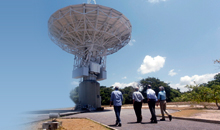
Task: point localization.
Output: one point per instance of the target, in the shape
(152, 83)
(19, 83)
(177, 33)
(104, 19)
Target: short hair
(116, 87)
(136, 88)
(161, 88)
(149, 86)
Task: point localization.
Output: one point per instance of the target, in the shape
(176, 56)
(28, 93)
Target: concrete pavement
(128, 118)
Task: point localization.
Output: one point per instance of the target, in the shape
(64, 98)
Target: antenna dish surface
(89, 29)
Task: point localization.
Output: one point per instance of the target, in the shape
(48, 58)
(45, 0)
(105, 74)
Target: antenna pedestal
(89, 93)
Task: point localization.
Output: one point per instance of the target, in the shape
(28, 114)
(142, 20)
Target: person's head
(161, 88)
(136, 88)
(116, 87)
(148, 86)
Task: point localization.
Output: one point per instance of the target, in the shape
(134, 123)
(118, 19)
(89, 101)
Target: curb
(102, 124)
(70, 113)
(195, 119)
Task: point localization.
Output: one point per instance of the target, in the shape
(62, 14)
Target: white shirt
(137, 96)
(151, 94)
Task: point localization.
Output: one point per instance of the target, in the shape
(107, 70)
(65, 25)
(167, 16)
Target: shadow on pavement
(132, 123)
(100, 111)
(113, 125)
(147, 123)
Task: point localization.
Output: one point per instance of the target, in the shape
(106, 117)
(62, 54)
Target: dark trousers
(151, 104)
(117, 113)
(137, 109)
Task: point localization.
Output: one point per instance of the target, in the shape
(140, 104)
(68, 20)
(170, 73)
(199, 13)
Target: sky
(173, 40)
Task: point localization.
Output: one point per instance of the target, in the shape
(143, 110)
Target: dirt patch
(208, 114)
(197, 113)
(72, 124)
(187, 112)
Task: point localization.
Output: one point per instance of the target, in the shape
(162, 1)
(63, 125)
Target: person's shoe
(116, 123)
(170, 117)
(153, 121)
(162, 119)
(119, 124)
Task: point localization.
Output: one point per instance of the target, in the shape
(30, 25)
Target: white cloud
(198, 79)
(151, 64)
(131, 43)
(156, 1)
(122, 85)
(124, 77)
(172, 73)
(75, 83)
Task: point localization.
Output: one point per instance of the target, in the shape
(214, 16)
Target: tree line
(105, 92)
(206, 92)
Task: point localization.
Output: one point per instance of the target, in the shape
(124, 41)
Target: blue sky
(175, 41)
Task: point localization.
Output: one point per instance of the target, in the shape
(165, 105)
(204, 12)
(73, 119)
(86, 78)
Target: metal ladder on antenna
(89, 1)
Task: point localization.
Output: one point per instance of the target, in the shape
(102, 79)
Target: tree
(156, 83)
(217, 77)
(127, 95)
(105, 93)
(217, 61)
(185, 97)
(216, 94)
(199, 93)
(74, 95)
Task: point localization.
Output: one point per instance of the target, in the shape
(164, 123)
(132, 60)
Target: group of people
(152, 99)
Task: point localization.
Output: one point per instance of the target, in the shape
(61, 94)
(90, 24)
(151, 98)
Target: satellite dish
(89, 1)
(90, 32)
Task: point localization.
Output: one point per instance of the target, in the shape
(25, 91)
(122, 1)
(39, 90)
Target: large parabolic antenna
(90, 32)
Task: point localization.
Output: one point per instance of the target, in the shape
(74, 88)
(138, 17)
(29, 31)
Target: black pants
(151, 104)
(137, 109)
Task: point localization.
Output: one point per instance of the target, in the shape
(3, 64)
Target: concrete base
(50, 125)
(89, 94)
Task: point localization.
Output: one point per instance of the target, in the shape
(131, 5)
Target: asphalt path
(128, 119)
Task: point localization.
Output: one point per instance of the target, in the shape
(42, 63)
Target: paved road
(128, 121)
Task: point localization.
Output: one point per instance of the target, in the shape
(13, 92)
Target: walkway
(128, 118)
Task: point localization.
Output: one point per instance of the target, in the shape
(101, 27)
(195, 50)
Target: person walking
(137, 103)
(117, 99)
(151, 98)
(163, 104)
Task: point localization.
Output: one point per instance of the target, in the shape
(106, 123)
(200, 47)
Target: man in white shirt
(137, 103)
(151, 98)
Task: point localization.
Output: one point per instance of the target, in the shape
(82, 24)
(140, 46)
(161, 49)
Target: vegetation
(171, 93)
(206, 92)
(74, 95)
(209, 92)
(105, 92)
(217, 61)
